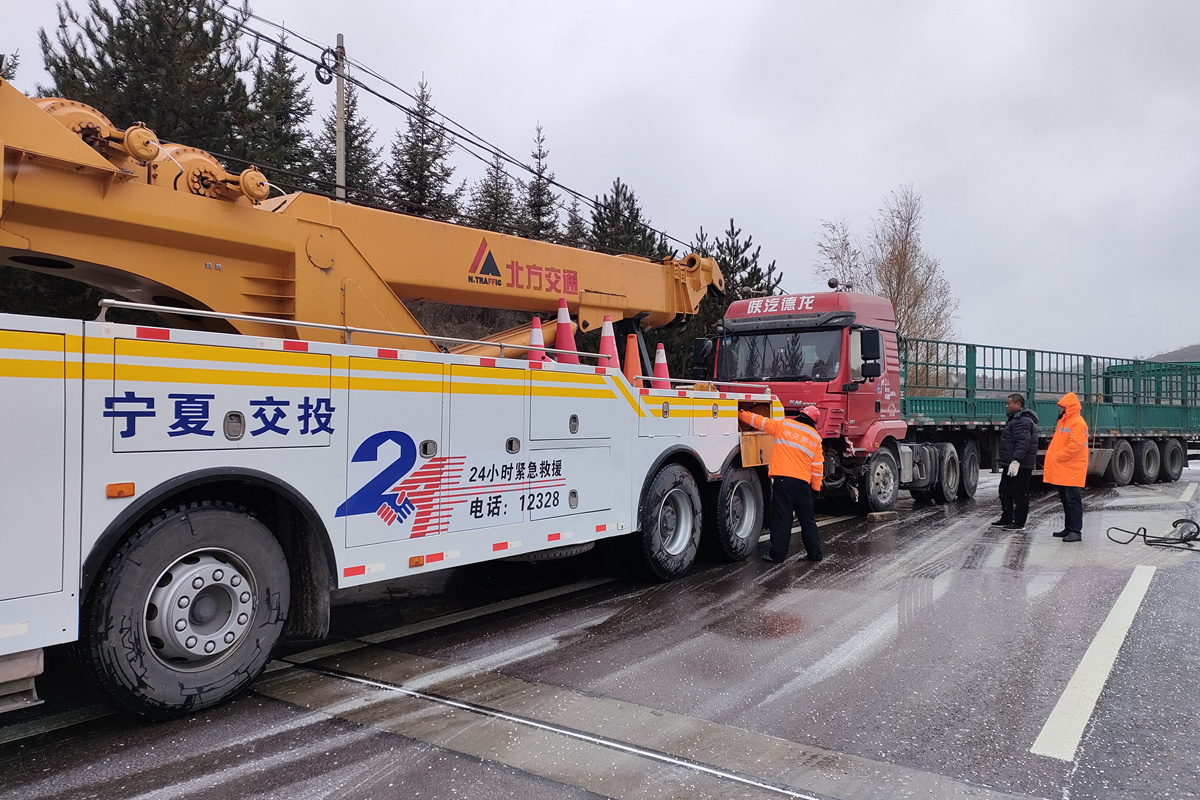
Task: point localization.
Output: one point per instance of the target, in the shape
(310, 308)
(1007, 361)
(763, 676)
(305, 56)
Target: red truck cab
(835, 350)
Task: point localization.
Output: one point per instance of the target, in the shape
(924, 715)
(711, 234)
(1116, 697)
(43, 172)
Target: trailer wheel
(1120, 466)
(946, 489)
(187, 611)
(880, 483)
(968, 468)
(733, 517)
(1173, 461)
(669, 520)
(1146, 461)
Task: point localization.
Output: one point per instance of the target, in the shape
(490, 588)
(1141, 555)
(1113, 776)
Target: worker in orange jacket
(797, 465)
(1066, 465)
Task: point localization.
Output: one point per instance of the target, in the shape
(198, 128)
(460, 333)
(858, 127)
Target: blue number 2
(370, 497)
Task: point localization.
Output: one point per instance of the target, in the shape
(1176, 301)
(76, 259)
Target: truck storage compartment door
(487, 440)
(32, 479)
(569, 405)
(398, 466)
(574, 480)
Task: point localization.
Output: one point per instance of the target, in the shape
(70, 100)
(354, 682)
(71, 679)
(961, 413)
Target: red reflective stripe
(154, 333)
(498, 546)
(350, 572)
(554, 537)
(296, 347)
(434, 557)
(487, 362)
(389, 353)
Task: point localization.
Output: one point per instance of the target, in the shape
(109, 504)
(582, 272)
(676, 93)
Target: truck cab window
(809, 355)
(856, 359)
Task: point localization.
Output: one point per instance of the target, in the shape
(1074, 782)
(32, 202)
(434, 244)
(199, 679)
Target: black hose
(1183, 534)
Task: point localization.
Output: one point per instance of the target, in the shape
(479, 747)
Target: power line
(463, 137)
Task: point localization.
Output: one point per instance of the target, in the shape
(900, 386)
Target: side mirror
(872, 370)
(872, 345)
(701, 351)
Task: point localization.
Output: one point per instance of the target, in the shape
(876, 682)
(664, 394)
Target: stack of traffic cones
(608, 344)
(633, 360)
(537, 352)
(660, 369)
(564, 334)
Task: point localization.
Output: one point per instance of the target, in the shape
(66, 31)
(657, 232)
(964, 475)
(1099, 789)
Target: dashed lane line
(1064, 729)
(1188, 492)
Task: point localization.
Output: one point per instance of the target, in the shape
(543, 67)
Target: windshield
(810, 355)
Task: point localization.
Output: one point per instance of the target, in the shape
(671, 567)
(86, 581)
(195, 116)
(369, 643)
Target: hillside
(1189, 353)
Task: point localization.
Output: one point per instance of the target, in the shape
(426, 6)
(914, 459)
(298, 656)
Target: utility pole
(340, 123)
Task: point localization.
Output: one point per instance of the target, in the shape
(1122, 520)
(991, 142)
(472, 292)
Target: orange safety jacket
(1067, 456)
(797, 450)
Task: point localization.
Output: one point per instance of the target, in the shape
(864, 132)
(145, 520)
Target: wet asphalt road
(922, 658)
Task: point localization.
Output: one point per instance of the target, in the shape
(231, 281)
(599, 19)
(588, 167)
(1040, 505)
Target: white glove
(1012, 469)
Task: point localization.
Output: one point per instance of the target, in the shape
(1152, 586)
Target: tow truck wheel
(670, 520)
(946, 490)
(1146, 461)
(1173, 461)
(733, 517)
(880, 483)
(187, 611)
(968, 468)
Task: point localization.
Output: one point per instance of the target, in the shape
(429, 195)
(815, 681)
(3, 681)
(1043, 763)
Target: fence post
(1088, 398)
(1137, 395)
(1030, 377)
(971, 379)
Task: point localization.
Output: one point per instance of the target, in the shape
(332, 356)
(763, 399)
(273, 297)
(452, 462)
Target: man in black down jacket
(1018, 457)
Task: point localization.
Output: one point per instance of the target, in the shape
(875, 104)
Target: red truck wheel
(880, 482)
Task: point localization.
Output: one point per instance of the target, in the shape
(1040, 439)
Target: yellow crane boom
(165, 223)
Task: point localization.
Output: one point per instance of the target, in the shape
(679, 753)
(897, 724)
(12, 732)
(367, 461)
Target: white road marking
(1062, 732)
(1188, 492)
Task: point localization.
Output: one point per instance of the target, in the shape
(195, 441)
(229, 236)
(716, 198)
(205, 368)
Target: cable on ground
(1184, 534)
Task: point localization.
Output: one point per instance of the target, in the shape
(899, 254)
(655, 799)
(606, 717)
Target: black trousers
(788, 496)
(1072, 503)
(1014, 496)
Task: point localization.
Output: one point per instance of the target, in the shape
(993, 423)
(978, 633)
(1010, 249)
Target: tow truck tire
(1173, 461)
(1120, 465)
(670, 520)
(1146, 461)
(880, 482)
(733, 517)
(968, 468)
(186, 612)
(946, 489)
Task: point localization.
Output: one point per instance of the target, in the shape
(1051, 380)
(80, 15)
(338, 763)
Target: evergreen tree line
(194, 73)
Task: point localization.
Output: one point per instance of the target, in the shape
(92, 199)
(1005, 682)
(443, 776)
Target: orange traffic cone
(564, 334)
(536, 343)
(660, 369)
(608, 345)
(633, 361)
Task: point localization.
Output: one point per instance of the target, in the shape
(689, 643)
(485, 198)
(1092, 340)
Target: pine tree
(281, 111)
(8, 65)
(576, 233)
(745, 277)
(363, 167)
(420, 174)
(493, 203)
(176, 65)
(539, 201)
(618, 226)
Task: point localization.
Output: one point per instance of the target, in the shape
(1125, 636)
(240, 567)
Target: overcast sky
(1056, 145)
